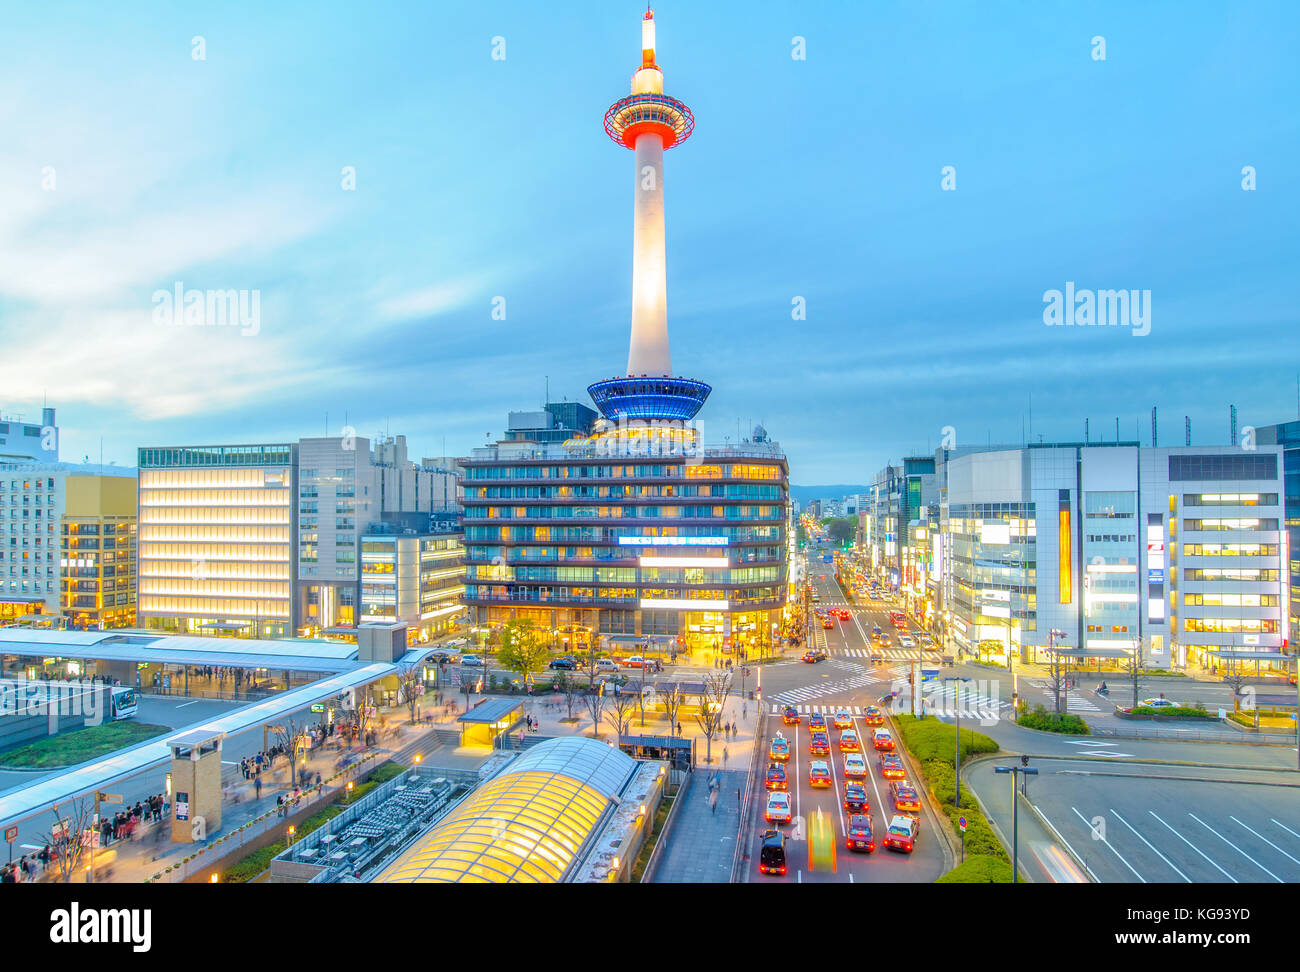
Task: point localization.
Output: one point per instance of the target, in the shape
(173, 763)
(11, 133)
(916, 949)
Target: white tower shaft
(648, 351)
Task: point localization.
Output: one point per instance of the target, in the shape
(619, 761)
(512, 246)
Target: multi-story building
(41, 505)
(21, 440)
(413, 576)
(264, 540)
(695, 550)
(1104, 549)
(217, 538)
(897, 497)
(1287, 435)
(97, 552)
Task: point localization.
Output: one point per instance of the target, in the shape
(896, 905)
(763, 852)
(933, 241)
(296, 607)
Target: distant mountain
(805, 494)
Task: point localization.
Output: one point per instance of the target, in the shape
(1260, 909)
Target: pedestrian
(726, 754)
(713, 802)
(744, 711)
(257, 786)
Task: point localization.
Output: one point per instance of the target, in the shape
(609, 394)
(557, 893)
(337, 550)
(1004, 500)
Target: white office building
(1103, 549)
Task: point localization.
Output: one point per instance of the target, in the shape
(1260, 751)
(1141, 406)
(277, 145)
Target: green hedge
(979, 869)
(1063, 722)
(930, 739)
(1176, 711)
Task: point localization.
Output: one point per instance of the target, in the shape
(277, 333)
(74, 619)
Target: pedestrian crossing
(809, 692)
(889, 654)
(828, 710)
(1074, 702)
(945, 699)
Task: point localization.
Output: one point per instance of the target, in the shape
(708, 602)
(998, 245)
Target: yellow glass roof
(527, 824)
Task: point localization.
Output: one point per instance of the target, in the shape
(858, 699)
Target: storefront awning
(1089, 652)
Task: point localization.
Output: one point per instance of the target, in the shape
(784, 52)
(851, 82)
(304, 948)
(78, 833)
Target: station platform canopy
(299, 656)
(25, 800)
(1242, 654)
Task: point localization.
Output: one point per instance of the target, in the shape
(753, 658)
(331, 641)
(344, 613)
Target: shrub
(1177, 711)
(929, 739)
(979, 869)
(1062, 722)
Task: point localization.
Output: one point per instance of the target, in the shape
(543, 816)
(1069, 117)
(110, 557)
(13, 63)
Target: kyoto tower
(648, 122)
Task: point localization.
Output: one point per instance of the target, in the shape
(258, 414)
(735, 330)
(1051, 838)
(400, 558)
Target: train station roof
(527, 824)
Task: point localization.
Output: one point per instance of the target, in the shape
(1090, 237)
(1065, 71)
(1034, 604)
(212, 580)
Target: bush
(1176, 711)
(979, 869)
(1063, 722)
(929, 739)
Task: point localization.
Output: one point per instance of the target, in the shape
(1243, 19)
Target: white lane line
(1263, 838)
(183, 704)
(1152, 846)
(1195, 848)
(1235, 847)
(1068, 847)
(1284, 827)
(1088, 823)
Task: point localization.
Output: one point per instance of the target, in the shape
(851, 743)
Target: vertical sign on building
(1155, 568)
(1066, 561)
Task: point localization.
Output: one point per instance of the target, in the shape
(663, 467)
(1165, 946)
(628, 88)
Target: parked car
(562, 664)
(606, 665)
(471, 660)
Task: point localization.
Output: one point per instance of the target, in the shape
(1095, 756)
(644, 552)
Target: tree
(289, 735)
(410, 685)
(841, 529)
(619, 715)
(568, 686)
(713, 699)
(1057, 666)
(672, 698)
(1235, 679)
(524, 649)
(594, 700)
(72, 834)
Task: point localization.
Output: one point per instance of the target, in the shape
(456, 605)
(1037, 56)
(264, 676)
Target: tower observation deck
(648, 122)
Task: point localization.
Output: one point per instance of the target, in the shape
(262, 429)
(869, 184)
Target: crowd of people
(123, 824)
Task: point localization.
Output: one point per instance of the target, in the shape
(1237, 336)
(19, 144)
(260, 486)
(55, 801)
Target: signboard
(11, 834)
(182, 806)
(961, 822)
(1155, 576)
(318, 707)
(110, 798)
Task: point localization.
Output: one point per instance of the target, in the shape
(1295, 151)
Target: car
(817, 721)
(812, 656)
(778, 807)
(471, 660)
(891, 767)
(843, 720)
(779, 750)
(562, 664)
(819, 744)
(873, 716)
(819, 773)
(1161, 703)
(849, 742)
(634, 661)
(927, 639)
(901, 833)
(606, 665)
(876, 633)
(905, 797)
(842, 614)
(855, 798)
(776, 778)
(790, 716)
(855, 767)
(883, 740)
(771, 858)
(858, 834)
(906, 641)
(828, 623)
(444, 655)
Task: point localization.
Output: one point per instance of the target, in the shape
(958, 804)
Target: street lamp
(957, 745)
(1016, 772)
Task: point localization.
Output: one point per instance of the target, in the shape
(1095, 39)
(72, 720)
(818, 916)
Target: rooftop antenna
(1187, 429)
(1232, 424)
(1117, 430)
(1155, 438)
(1085, 432)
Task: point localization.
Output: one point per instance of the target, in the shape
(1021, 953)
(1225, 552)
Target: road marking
(1264, 839)
(1284, 827)
(1195, 848)
(1067, 845)
(1235, 847)
(1086, 742)
(1088, 824)
(183, 704)
(1106, 753)
(1152, 846)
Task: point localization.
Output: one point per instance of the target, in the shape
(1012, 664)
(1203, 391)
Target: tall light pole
(957, 745)
(1016, 772)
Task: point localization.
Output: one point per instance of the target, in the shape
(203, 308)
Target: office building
(1287, 435)
(413, 576)
(21, 440)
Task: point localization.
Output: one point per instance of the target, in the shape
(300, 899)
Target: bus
(123, 703)
(897, 618)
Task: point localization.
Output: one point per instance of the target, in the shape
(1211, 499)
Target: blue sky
(816, 178)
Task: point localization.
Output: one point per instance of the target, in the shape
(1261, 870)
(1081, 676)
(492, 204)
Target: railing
(755, 765)
(1199, 735)
(661, 839)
